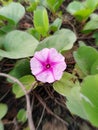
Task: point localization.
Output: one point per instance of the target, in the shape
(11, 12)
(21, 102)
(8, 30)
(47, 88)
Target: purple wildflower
(47, 65)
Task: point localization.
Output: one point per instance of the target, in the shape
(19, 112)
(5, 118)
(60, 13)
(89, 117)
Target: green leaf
(27, 81)
(56, 25)
(7, 28)
(74, 7)
(21, 68)
(3, 110)
(1, 126)
(53, 5)
(92, 24)
(79, 10)
(92, 4)
(89, 89)
(64, 86)
(61, 40)
(74, 103)
(21, 116)
(85, 56)
(18, 44)
(41, 21)
(94, 67)
(95, 35)
(33, 5)
(83, 14)
(34, 33)
(12, 12)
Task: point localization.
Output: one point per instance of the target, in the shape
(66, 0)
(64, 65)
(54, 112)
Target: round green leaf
(3, 110)
(27, 81)
(12, 12)
(64, 86)
(21, 116)
(61, 40)
(89, 89)
(18, 44)
(85, 57)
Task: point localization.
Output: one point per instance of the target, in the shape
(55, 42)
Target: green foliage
(82, 10)
(82, 101)
(64, 86)
(3, 110)
(18, 44)
(34, 32)
(74, 103)
(53, 5)
(21, 116)
(6, 2)
(95, 35)
(12, 12)
(89, 89)
(92, 24)
(41, 22)
(94, 67)
(27, 81)
(85, 57)
(33, 5)
(61, 40)
(55, 25)
(21, 68)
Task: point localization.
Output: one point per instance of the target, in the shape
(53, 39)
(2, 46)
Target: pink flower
(47, 65)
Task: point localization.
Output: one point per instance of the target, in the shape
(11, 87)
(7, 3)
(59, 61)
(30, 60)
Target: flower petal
(42, 55)
(36, 66)
(45, 76)
(55, 56)
(58, 70)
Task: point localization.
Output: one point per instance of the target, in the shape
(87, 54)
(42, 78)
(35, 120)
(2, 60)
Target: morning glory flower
(47, 65)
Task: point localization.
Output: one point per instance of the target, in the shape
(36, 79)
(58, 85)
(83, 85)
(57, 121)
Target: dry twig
(29, 111)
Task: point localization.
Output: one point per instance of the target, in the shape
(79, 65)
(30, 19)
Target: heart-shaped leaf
(61, 40)
(18, 44)
(12, 12)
